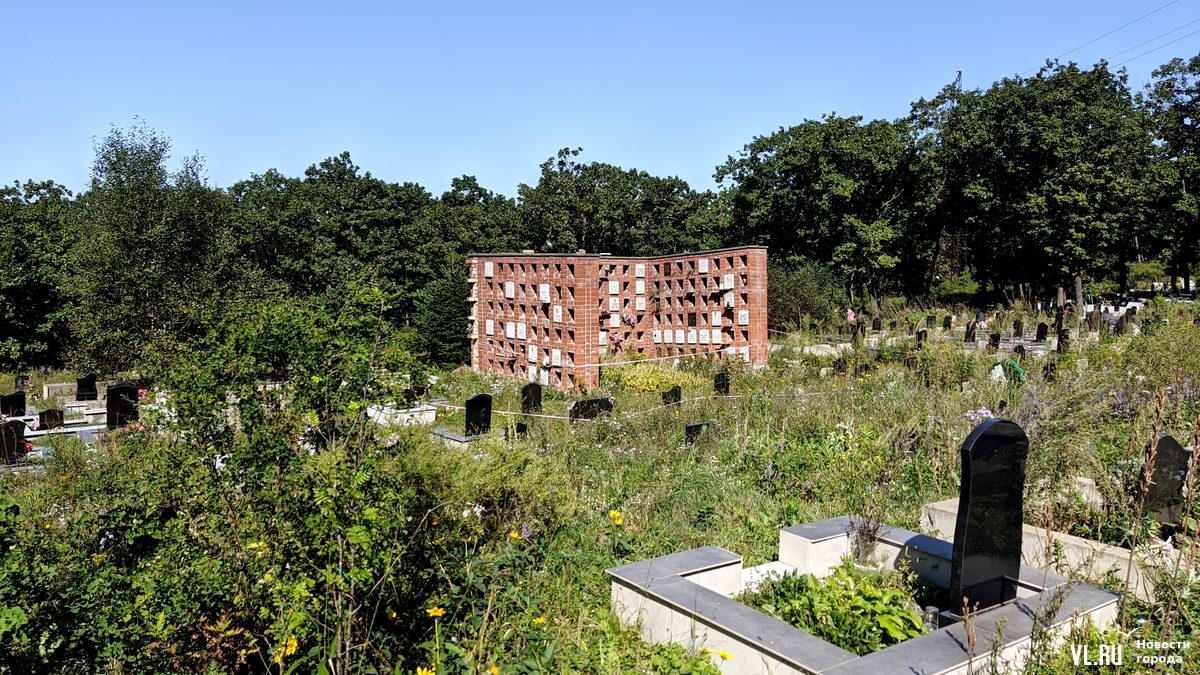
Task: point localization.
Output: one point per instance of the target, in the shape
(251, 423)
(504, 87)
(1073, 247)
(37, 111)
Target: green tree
(443, 315)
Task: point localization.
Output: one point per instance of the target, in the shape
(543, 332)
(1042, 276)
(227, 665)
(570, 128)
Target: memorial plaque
(479, 414)
(121, 404)
(85, 388)
(672, 396)
(12, 405)
(531, 398)
(987, 535)
(590, 408)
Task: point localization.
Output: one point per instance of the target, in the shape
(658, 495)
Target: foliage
(443, 315)
(857, 611)
(655, 376)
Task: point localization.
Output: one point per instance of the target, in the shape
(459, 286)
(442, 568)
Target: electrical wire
(1165, 44)
(1070, 51)
(1151, 39)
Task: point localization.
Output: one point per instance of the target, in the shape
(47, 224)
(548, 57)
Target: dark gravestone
(121, 404)
(980, 317)
(946, 323)
(531, 398)
(994, 342)
(922, 335)
(590, 408)
(929, 321)
(21, 381)
(1058, 319)
(721, 384)
(85, 388)
(1170, 468)
(812, 328)
(841, 366)
(1018, 329)
(479, 414)
(12, 441)
(1064, 340)
(969, 336)
(987, 534)
(1042, 331)
(13, 405)
(50, 419)
(1093, 320)
(1122, 324)
(891, 325)
(1019, 350)
(672, 396)
(691, 433)
(1050, 372)
(876, 324)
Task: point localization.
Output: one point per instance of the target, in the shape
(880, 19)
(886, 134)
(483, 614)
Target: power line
(1152, 39)
(1165, 44)
(1107, 34)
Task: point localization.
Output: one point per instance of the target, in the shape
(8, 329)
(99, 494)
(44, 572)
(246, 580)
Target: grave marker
(672, 396)
(121, 404)
(994, 342)
(479, 414)
(12, 405)
(929, 320)
(85, 388)
(922, 335)
(1018, 329)
(21, 381)
(50, 419)
(987, 535)
(721, 384)
(876, 324)
(590, 408)
(1170, 468)
(946, 323)
(1019, 350)
(12, 441)
(969, 335)
(1064, 340)
(1042, 331)
(691, 432)
(531, 398)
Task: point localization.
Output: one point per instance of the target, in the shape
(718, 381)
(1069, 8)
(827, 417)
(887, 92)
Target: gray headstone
(987, 534)
(479, 414)
(672, 396)
(85, 388)
(121, 404)
(12, 405)
(590, 408)
(531, 398)
(980, 317)
(1170, 468)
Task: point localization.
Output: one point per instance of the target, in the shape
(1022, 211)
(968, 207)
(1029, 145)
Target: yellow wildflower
(494, 670)
(705, 650)
(435, 612)
(539, 621)
(392, 615)
(618, 522)
(514, 535)
(431, 670)
(725, 656)
(289, 647)
(614, 514)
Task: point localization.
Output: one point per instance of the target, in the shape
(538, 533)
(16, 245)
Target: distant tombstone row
(121, 404)
(12, 405)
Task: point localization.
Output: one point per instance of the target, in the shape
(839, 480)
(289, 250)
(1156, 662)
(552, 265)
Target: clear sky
(425, 92)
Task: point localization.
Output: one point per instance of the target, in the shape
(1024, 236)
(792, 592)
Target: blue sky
(425, 92)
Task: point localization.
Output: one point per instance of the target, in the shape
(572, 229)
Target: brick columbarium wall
(550, 318)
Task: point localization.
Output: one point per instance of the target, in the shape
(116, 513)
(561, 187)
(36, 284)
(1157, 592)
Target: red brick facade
(549, 318)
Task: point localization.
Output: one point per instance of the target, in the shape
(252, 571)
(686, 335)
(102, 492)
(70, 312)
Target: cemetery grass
(306, 552)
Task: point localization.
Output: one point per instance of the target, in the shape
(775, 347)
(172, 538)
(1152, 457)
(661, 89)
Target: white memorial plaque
(603, 338)
(556, 357)
(533, 353)
(488, 269)
(614, 304)
(520, 330)
(716, 319)
(557, 312)
(489, 327)
(704, 337)
(657, 336)
(717, 336)
(639, 286)
(545, 378)
(702, 266)
(614, 320)
(727, 282)
(510, 330)
(691, 336)
(614, 287)
(743, 317)
(729, 299)
(544, 292)
(746, 354)
(640, 304)
(639, 271)
(678, 336)
(510, 289)
(532, 372)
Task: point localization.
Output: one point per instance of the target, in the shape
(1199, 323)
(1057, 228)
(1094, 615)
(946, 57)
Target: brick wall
(548, 318)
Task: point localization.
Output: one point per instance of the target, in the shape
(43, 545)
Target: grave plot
(688, 598)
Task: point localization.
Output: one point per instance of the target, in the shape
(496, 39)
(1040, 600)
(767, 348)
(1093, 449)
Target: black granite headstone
(12, 405)
(1019, 350)
(1122, 324)
(721, 384)
(1170, 468)
(1064, 340)
(50, 419)
(987, 534)
(1042, 331)
(121, 404)
(1050, 371)
(980, 317)
(876, 324)
(85, 388)
(673, 395)
(929, 321)
(891, 325)
(922, 335)
(994, 342)
(1018, 329)
(691, 433)
(12, 441)
(946, 323)
(969, 335)
(590, 408)
(841, 366)
(531, 398)
(479, 414)
(813, 328)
